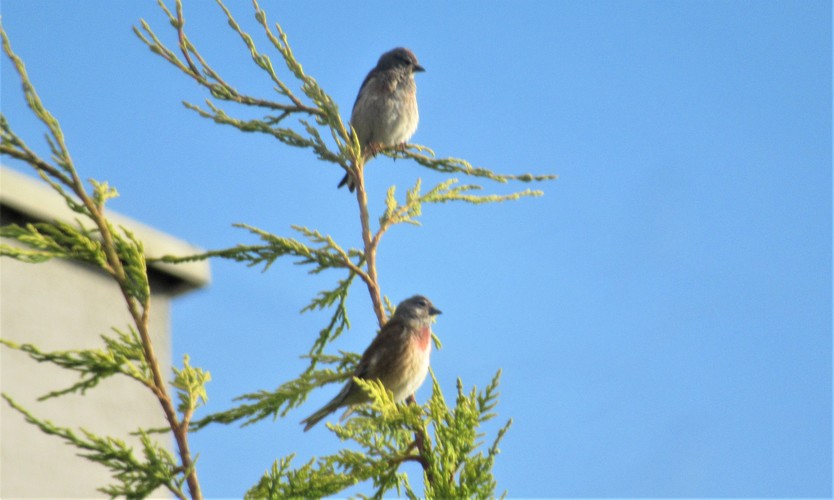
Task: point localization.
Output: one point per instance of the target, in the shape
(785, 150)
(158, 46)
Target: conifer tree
(441, 436)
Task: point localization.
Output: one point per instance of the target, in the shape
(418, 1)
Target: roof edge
(34, 198)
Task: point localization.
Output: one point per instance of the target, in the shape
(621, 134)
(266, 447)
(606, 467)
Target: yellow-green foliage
(444, 440)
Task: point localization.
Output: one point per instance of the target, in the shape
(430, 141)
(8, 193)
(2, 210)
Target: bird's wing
(380, 350)
(367, 79)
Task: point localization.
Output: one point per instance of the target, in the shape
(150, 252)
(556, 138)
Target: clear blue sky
(662, 315)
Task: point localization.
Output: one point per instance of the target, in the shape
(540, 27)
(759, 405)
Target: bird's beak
(435, 311)
(418, 68)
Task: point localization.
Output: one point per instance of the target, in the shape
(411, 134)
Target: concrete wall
(62, 305)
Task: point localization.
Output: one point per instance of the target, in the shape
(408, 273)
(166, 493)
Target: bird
(385, 112)
(398, 357)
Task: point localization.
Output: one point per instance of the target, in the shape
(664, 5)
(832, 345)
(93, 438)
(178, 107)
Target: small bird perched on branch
(398, 357)
(385, 112)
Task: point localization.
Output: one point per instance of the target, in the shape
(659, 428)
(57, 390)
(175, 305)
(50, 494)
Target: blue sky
(662, 315)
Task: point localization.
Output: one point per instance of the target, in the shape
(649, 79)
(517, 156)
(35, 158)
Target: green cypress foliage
(443, 439)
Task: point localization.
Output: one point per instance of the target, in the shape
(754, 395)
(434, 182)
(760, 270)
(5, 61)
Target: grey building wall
(62, 305)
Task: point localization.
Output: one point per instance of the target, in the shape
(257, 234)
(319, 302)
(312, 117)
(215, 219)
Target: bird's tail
(327, 409)
(347, 179)
(317, 416)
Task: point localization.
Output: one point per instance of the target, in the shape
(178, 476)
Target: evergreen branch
(460, 470)
(489, 399)
(263, 404)
(329, 110)
(14, 146)
(327, 255)
(26, 255)
(267, 125)
(493, 450)
(61, 240)
(321, 149)
(55, 240)
(330, 255)
(102, 191)
(190, 384)
(453, 466)
(325, 110)
(130, 253)
(122, 354)
(456, 165)
(446, 191)
(382, 439)
(314, 479)
(338, 321)
(329, 244)
(137, 478)
(206, 77)
(261, 60)
(65, 172)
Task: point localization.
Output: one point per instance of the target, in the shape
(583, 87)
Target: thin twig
(411, 458)
(183, 40)
(350, 265)
(367, 239)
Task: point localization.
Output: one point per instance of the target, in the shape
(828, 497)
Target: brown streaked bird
(398, 357)
(385, 112)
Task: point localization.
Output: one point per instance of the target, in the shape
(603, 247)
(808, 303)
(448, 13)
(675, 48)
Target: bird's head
(399, 58)
(417, 307)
